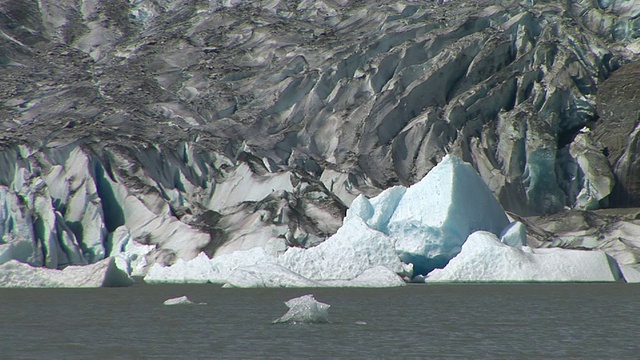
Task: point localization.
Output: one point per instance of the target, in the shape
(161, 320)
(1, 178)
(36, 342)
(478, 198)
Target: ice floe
(305, 310)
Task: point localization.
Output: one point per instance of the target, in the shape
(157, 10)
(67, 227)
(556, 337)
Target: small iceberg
(182, 300)
(305, 310)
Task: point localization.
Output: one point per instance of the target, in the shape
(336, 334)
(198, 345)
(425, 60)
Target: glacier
(264, 121)
(446, 228)
(305, 310)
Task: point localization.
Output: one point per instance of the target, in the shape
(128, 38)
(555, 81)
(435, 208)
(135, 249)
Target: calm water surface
(532, 321)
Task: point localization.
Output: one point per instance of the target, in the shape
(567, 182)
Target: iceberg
(353, 249)
(485, 259)
(201, 269)
(104, 273)
(271, 275)
(305, 310)
(355, 256)
(267, 275)
(430, 220)
(182, 300)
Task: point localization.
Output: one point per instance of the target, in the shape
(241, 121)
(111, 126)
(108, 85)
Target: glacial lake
(495, 321)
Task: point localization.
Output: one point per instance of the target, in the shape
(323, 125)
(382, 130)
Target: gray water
(543, 321)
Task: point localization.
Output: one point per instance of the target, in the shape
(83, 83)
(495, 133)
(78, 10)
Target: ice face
(130, 256)
(424, 225)
(305, 310)
(485, 258)
(345, 255)
(201, 269)
(515, 234)
(630, 273)
(430, 220)
(104, 273)
(355, 256)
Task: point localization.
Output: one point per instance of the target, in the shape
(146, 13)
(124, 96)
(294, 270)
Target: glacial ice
(515, 234)
(630, 273)
(270, 275)
(430, 220)
(104, 273)
(449, 218)
(181, 300)
(305, 310)
(345, 255)
(130, 256)
(353, 256)
(485, 259)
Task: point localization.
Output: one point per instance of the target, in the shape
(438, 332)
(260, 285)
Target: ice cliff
(152, 132)
(448, 220)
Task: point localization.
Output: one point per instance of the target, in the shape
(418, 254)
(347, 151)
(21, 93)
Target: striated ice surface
(104, 273)
(485, 259)
(305, 310)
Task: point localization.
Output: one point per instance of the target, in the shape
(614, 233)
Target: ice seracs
(305, 310)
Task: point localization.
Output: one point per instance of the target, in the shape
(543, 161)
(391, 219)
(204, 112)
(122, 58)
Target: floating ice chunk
(305, 310)
(182, 300)
(515, 234)
(485, 258)
(345, 255)
(104, 273)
